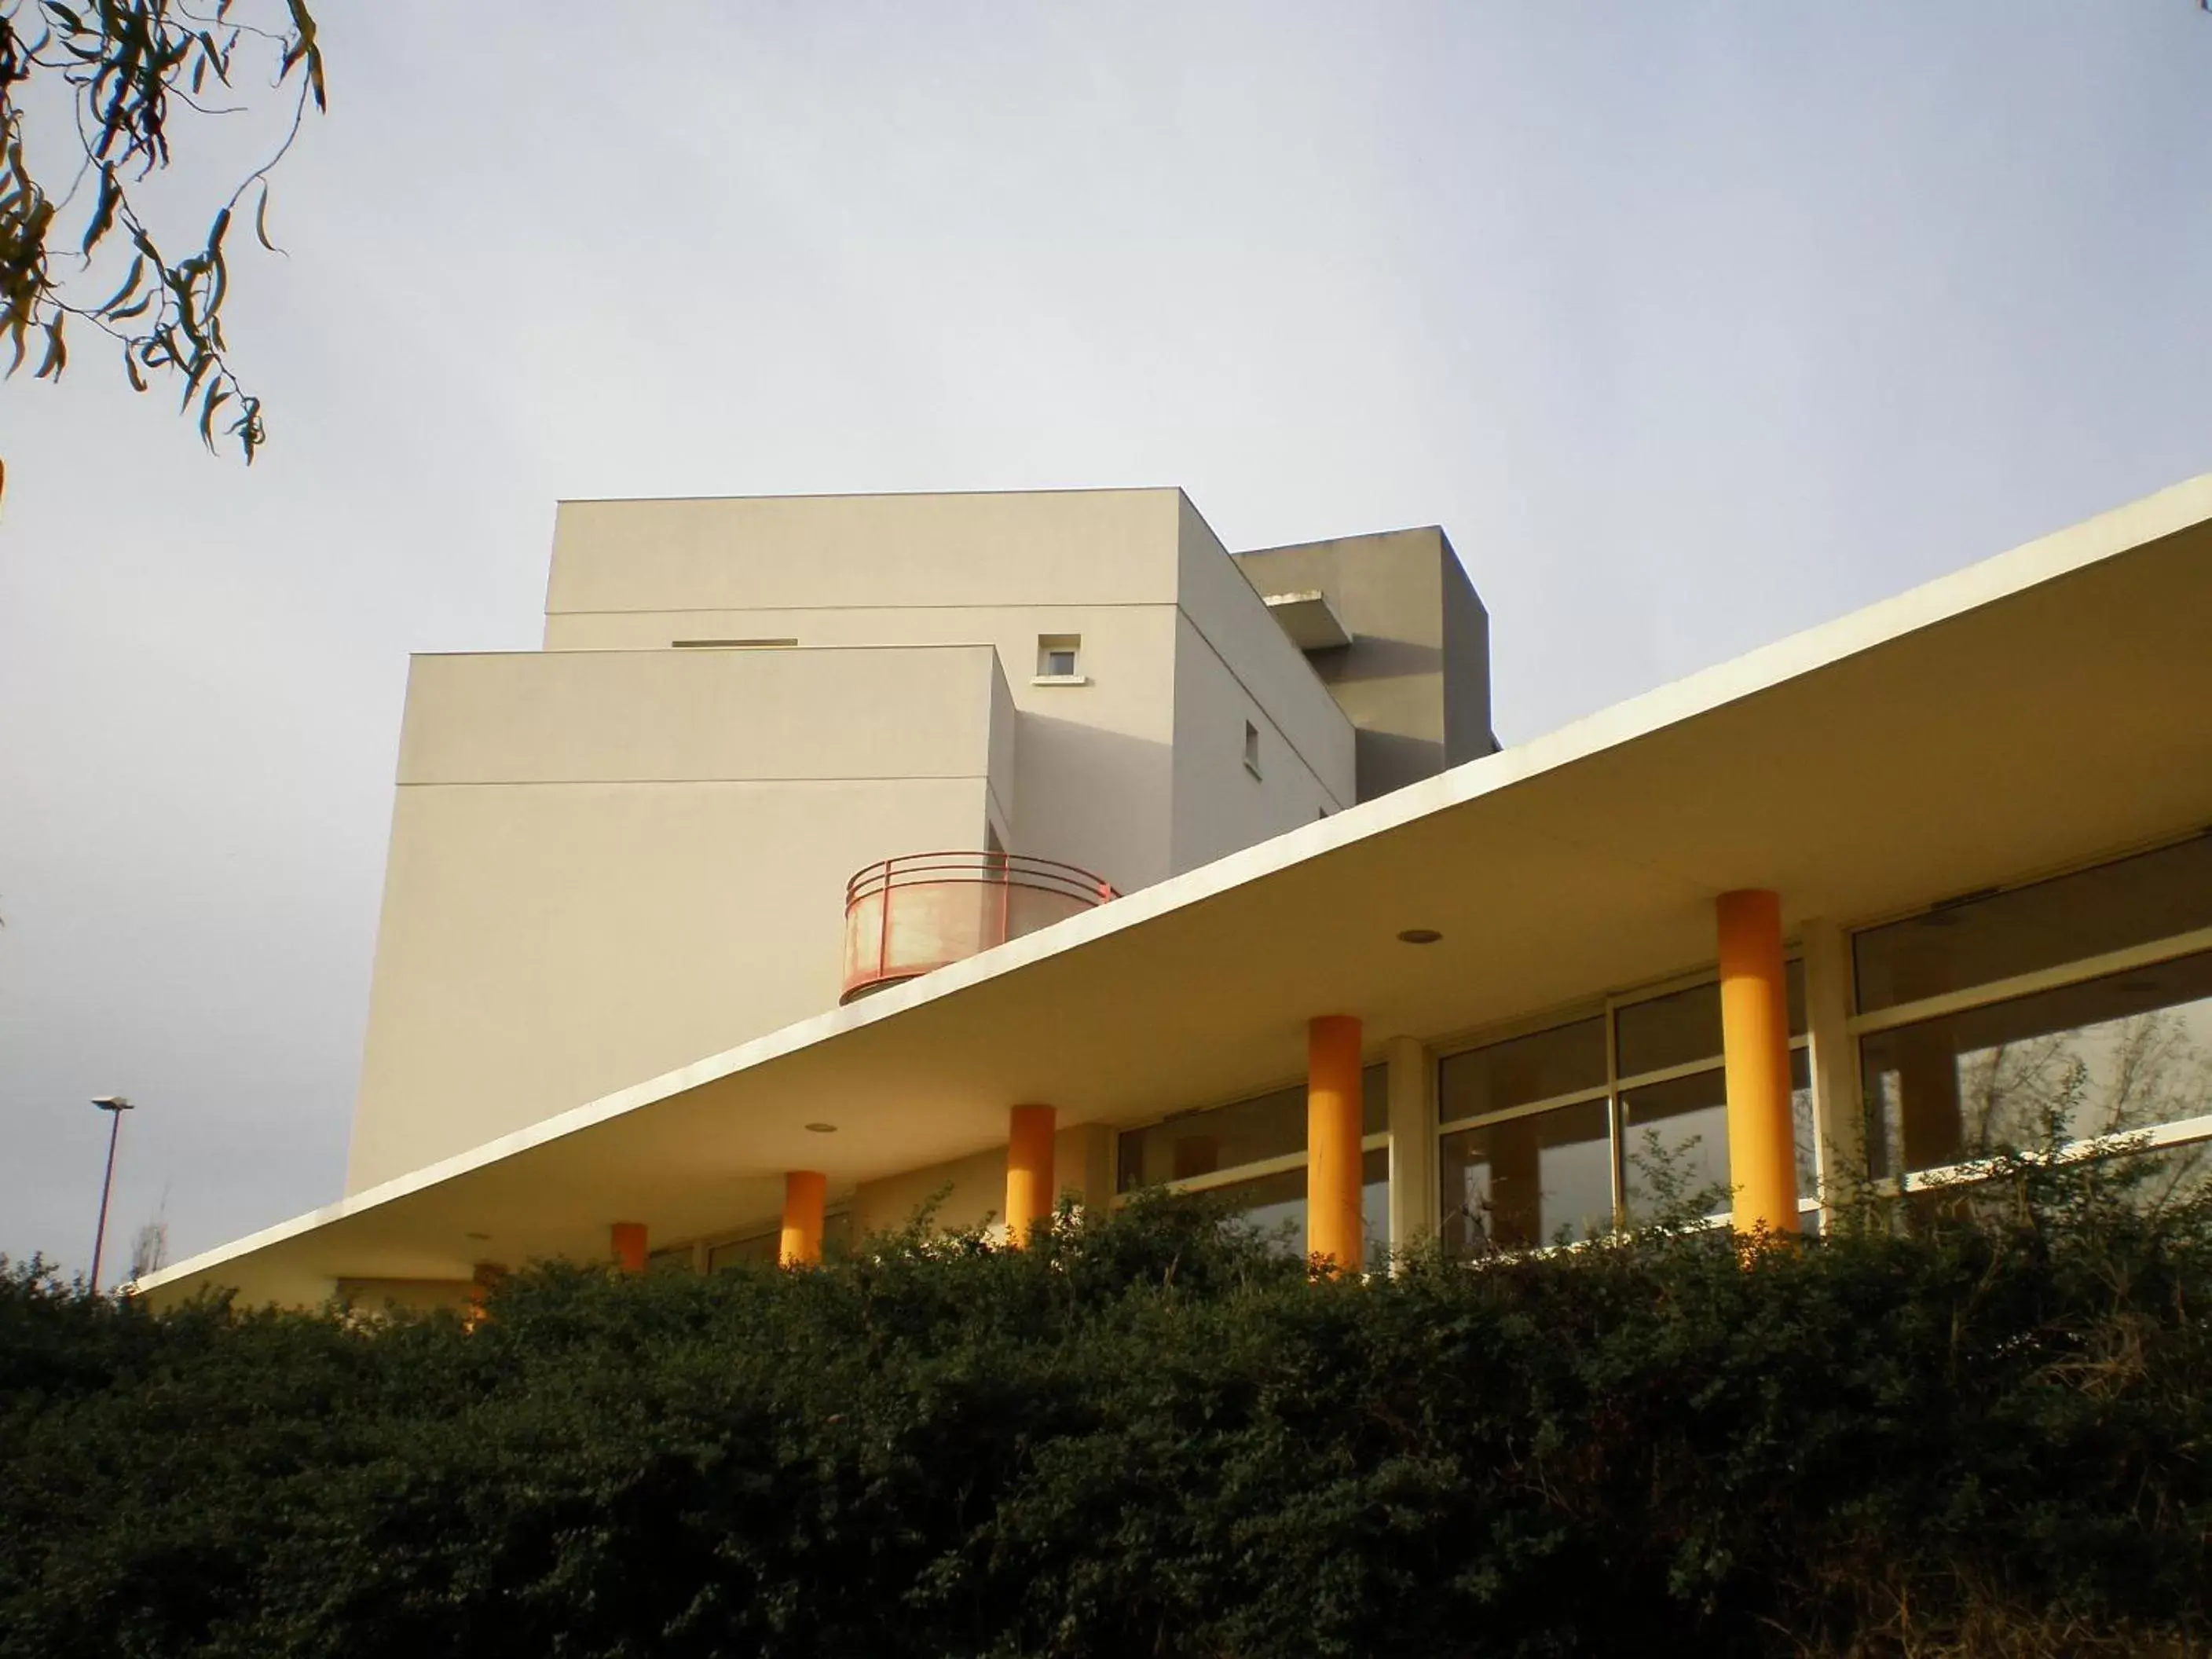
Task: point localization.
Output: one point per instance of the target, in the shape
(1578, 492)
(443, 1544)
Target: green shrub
(1152, 1435)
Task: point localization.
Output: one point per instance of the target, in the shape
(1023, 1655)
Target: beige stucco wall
(607, 865)
(1415, 680)
(1220, 806)
(687, 716)
(1094, 783)
(1041, 547)
(614, 857)
(1234, 663)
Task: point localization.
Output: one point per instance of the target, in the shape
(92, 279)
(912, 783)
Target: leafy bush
(1152, 1435)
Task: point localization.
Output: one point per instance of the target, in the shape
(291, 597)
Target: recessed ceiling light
(1419, 936)
(821, 1128)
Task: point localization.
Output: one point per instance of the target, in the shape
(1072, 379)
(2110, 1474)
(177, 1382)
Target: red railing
(906, 916)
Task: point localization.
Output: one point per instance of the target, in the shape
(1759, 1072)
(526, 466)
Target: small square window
(1060, 656)
(1252, 749)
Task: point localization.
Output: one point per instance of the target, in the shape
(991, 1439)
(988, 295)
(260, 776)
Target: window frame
(1233, 1174)
(2103, 964)
(1049, 646)
(1617, 1082)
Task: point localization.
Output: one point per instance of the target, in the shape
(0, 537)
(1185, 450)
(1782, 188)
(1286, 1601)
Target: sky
(1694, 325)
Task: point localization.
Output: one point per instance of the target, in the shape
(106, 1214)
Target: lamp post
(114, 1106)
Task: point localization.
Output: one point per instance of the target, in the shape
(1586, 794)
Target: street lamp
(114, 1106)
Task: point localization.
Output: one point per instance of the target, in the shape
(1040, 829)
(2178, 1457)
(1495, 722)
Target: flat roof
(2043, 706)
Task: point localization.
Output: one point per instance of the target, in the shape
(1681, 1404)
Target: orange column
(630, 1245)
(1029, 1193)
(1755, 1045)
(1333, 1101)
(483, 1279)
(805, 1192)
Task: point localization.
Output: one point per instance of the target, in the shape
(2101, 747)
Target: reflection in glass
(1272, 1125)
(1274, 1206)
(761, 1247)
(1199, 1143)
(2113, 1054)
(1804, 1129)
(1375, 1100)
(1564, 1061)
(2148, 1182)
(1683, 1027)
(1528, 1180)
(2152, 896)
(1675, 1138)
(1669, 1030)
(1674, 1144)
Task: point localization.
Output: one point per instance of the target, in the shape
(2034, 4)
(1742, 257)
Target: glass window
(2169, 1175)
(1528, 1180)
(1058, 655)
(1683, 1027)
(1674, 1142)
(1274, 1206)
(1200, 1143)
(2111, 1054)
(1669, 1030)
(2151, 896)
(2147, 1182)
(1542, 1066)
(1674, 1137)
(1203, 1143)
(1804, 1127)
(761, 1247)
(1374, 1101)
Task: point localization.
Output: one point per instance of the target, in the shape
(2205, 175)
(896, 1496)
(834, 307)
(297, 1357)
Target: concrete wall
(607, 865)
(801, 552)
(614, 857)
(1234, 663)
(1136, 774)
(1220, 806)
(1470, 730)
(1094, 784)
(1415, 680)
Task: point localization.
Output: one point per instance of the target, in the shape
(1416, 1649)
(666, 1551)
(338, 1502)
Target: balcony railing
(906, 916)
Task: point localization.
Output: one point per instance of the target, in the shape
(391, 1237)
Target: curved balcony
(906, 916)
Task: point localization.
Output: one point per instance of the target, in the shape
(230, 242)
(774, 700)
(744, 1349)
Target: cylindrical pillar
(1333, 1231)
(630, 1245)
(1755, 1047)
(805, 1192)
(483, 1279)
(1029, 1171)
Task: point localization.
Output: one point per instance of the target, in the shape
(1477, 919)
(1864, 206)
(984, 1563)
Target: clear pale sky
(1694, 325)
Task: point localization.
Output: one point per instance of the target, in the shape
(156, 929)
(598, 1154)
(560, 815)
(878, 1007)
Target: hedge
(1154, 1435)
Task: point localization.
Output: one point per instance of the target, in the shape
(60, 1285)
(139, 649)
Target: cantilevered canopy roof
(2048, 704)
(1309, 618)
